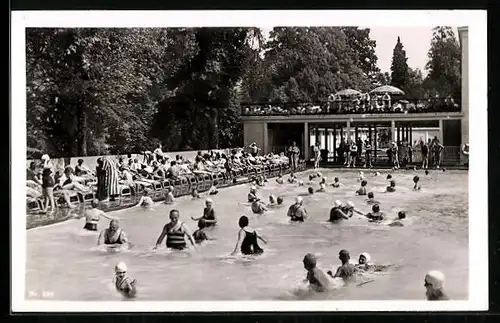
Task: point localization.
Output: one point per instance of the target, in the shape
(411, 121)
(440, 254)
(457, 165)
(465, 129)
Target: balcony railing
(351, 107)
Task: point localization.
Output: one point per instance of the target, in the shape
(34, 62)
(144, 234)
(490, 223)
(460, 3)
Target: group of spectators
(46, 184)
(363, 103)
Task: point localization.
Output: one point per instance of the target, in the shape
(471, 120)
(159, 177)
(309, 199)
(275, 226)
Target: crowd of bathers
(177, 233)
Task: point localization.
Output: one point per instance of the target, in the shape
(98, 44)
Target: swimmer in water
(371, 199)
(322, 188)
(398, 222)
(416, 187)
(93, 215)
(310, 191)
(316, 278)
(200, 235)
(247, 239)
(364, 261)
(195, 194)
(434, 286)
(292, 179)
(301, 183)
(361, 176)
(426, 172)
(145, 201)
(252, 196)
(297, 212)
(336, 213)
(169, 196)
(279, 180)
(389, 177)
(280, 200)
(392, 187)
(258, 207)
(349, 209)
(362, 189)
(208, 214)
(213, 190)
(375, 215)
(260, 181)
(176, 232)
(272, 199)
(376, 174)
(112, 235)
(346, 270)
(123, 283)
(336, 182)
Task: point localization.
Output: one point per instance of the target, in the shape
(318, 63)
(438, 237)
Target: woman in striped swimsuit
(175, 231)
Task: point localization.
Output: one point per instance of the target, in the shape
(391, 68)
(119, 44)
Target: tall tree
(364, 47)
(444, 64)
(399, 66)
(415, 87)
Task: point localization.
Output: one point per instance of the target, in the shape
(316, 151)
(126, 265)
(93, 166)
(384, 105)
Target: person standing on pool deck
(434, 286)
(316, 278)
(112, 235)
(424, 149)
(294, 152)
(247, 239)
(175, 231)
(208, 214)
(297, 212)
(93, 215)
(317, 155)
(346, 270)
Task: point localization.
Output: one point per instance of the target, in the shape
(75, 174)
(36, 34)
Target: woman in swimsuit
(247, 239)
(145, 201)
(208, 214)
(124, 284)
(297, 212)
(112, 235)
(175, 231)
(93, 215)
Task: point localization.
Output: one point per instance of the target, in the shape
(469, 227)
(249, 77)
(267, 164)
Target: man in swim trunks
(317, 279)
(297, 212)
(362, 189)
(112, 235)
(247, 239)
(93, 215)
(123, 283)
(336, 213)
(346, 270)
(208, 214)
(175, 232)
(258, 207)
(434, 286)
(375, 215)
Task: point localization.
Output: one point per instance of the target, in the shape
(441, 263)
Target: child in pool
(169, 196)
(145, 201)
(371, 199)
(200, 234)
(375, 215)
(346, 270)
(416, 187)
(195, 194)
(336, 182)
(321, 188)
(279, 180)
(252, 195)
(398, 222)
(316, 278)
(392, 187)
(362, 189)
(213, 190)
(124, 284)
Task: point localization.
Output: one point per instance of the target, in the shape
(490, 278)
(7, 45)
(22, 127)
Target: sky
(416, 41)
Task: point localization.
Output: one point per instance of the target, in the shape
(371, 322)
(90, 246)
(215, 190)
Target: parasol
(348, 92)
(387, 89)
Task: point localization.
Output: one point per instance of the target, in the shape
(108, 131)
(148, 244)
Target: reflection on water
(64, 259)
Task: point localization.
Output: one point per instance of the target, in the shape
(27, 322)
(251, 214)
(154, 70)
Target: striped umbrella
(348, 92)
(389, 89)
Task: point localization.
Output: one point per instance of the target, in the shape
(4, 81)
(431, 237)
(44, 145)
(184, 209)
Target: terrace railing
(351, 107)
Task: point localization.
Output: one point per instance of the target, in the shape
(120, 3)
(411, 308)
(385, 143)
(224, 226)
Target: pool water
(64, 259)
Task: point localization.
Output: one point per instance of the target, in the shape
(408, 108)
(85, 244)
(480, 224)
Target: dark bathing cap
(376, 208)
(343, 253)
(310, 259)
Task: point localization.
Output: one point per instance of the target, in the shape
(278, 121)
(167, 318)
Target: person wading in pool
(175, 231)
(297, 212)
(124, 284)
(434, 286)
(247, 239)
(93, 215)
(336, 213)
(112, 235)
(316, 278)
(258, 206)
(208, 214)
(375, 215)
(346, 270)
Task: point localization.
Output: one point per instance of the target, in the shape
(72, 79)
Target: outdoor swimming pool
(63, 259)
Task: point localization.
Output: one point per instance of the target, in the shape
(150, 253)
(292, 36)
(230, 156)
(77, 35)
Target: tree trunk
(215, 135)
(81, 131)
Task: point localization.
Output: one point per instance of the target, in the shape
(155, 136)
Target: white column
(440, 136)
(265, 145)
(463, 33)
(306, 141)
(348, 130)
(322, 137)
(393, 130)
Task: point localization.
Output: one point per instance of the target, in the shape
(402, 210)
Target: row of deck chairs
(201, 181)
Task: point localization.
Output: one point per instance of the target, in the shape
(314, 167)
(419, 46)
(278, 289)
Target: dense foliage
(110, 90)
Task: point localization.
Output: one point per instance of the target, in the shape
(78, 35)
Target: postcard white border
(478, 173)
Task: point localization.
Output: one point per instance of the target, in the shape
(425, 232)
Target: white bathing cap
(366, 255)
(435, 278)
(338, 203)
(301, 182)
(120, 267)
(253, 188)
(298, 199)
(349, 203)
(377, 173)
(45, 157)
(209, 200)
(319, 174)
(361, 172)
(324, 178)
